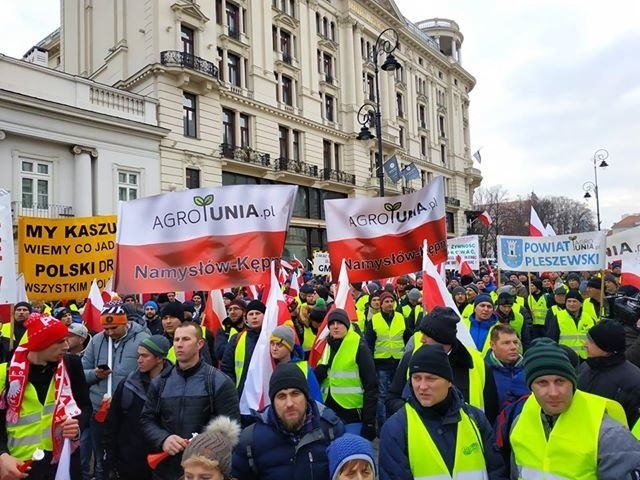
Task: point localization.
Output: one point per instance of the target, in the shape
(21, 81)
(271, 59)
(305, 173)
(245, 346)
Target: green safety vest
(571, 452)
(6, 327)
(538, 309)
(467, 311)
(590, 310)
(389, 342)
(33, 429)
(308, 339)
(343, 379)
(425, 460)
(241, 351)
(171, 354)
(361, 302)
(406, 311)
(573, 335)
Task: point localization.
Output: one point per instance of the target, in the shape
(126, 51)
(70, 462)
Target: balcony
(451, 202)
(244, 155)
(20, 209)
(177, 62)
(338, 176)
(298, 167)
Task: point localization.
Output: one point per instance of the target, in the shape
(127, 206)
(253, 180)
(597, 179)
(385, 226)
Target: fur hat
(215, 443)
(173, 309)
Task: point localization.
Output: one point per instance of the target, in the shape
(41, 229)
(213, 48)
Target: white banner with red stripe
(382, 237)
(8, 292)
(202, 239)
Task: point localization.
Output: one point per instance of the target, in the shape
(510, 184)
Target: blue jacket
(479, 330)
(394, 451)
(510, 379)
(267, 452)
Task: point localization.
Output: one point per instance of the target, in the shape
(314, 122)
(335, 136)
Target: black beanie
(287, 375)
(608, 335)
(339, 315)
(27, 305)
(538, 283)
(440, 324)
(545, 357)
(594, 282)
(574, 294)
(317, 314)
(173, 309)
(431, 359)
(256, 305)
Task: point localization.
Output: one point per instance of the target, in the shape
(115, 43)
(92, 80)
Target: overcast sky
(556, 81)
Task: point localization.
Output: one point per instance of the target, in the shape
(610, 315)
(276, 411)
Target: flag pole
(499, 277)
(12, 324)
(601, 313)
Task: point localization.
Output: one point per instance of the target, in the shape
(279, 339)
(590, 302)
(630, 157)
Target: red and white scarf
(65, 403)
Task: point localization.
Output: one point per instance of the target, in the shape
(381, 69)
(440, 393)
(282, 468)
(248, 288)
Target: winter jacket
(510, 379)
(125, 360)
(126, 449)
(394, 451)
(525, 334)
(267, 452)
(228, 365)
(615, 378)
(133, 314)
(182, 402)
(314, 387)
(461, 363)
(479, 329)
(222, 339)
(155, 325)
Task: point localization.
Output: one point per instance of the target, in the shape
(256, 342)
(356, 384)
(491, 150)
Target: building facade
(267, 91)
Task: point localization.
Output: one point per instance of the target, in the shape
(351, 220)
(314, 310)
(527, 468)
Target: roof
(628, 221)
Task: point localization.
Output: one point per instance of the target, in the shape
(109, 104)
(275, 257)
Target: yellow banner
(60, 257)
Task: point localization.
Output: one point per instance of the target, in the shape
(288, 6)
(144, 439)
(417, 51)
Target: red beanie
(43, 331)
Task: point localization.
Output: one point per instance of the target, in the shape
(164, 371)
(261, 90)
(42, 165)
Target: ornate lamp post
(599, 156)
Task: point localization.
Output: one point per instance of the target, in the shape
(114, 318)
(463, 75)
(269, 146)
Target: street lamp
(601, 156)
(369, 113)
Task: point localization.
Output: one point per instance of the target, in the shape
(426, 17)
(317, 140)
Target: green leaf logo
(199, 201)
(203, 201)
(208, 200)
(470, 449)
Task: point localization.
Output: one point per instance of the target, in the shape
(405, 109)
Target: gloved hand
(368, 431)
(321, 372)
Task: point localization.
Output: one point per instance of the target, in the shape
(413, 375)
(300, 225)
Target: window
(318, 24)
(233, 64)
(289, 142)
(274, 38)
(399, 105)
(128, 185)
(451, 224)
(371, 87)
(244, 130)
(192, 178)
(35, 184)
(422, 116)
(326, 154)
(186, 36)
(336, 156)
(329, 108)
(441, 125)
(286, 46)
(221, 64)
(283, 133)
(228, 128)
(189, 115)
(401, 136)
(287, 90)
(327, 65)
(219, 12)
(296, 145)
(443, 153)
(233, 20)
(423, 146)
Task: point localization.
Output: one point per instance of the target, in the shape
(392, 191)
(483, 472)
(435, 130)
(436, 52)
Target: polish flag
(286, 264)
(631, 272)
(294, 289)
(297, 263)
(255, 395)
(549, 231)
(536, 228)
(485, 218)
(435, 293)
(463, 266)
(378, 236)
(201, 239)
(93, 308)
(214, 311)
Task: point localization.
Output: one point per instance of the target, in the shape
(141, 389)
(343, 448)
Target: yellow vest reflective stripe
(571, 452)
(343, 380)
(389, 343)
(33, 429)
(425, 460)
(590, 309)
(467, 311)
(571, 335)
(6, 327)
(171, 354)
(241, 351)
(309, 338)
(538, 309)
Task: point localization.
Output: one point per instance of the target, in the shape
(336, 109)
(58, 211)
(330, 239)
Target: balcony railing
(338, 176)
(296, 166)
(40, 210)
(406, 190)
(244, 154)
(174, 58)
(451, 202)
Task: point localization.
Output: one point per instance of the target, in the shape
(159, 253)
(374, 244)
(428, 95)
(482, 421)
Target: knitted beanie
(414, 294)
(545, 357)
(594, 282)
(317, 314)
(457, 290)
(441, 325)
(472, 286)
(43, 331)
(26, 305)
(256, 305)
(150, 303)
(240, 304)
(157, 344)
(483, 298)
(173, 309)
(287, 375)
(574, 294)
(431, 359)
(215, 443)
(113, 314)
(384, 295)
(285, 335)
(608, 335)
(339, 315)
(349, 447)
(505, 299)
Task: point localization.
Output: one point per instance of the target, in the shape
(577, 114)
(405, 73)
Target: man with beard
(290, 437)
(232, 325)
(152, 319)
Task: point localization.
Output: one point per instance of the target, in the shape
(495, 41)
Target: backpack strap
(211, 388)
(246, 437)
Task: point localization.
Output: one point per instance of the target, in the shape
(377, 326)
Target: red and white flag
(93, 308)
(435, 293)
(463, 266)
(536, 228)
(8, 291)
(549, 231)
(631, 271)
(255, 395)
(294, 289)
(201, 239)
(381, 237)
(485, 218)
(214, 311)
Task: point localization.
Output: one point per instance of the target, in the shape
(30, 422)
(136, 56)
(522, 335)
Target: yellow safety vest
(487, 341)
(361, 302)
(571, 452)
(476, 374)
(343, 379)
(389, 342)
(6, 327)
(555, 309)
(308, 339)
(538, 309)
(467, 311)
(239, 354)
(171, 354)
(33, 429)
(636, 430)
(574, 336)
(590, 309)
(425, 460)
(406, 311)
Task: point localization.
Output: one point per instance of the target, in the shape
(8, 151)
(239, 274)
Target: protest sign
(467, 247)
(321, 263)
(8, 293)
(382, 237)
(575, 252)
(59, 257)
(202, 239)
(623, 244)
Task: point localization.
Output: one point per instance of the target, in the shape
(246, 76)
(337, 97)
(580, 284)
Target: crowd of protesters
(548, 386)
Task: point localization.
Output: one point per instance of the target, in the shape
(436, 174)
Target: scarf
(65, 403)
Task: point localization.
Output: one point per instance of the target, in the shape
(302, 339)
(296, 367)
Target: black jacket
(461, 363)
(615, 378)
(228, 365)
(182, 402)
(222, 339)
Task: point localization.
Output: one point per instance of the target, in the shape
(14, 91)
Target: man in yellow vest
(21, 311)
(537, 305)
(565, 433)
(436, 434)
(481, 321)
(347, 377)
(459, 295)
(412, 311)
(231, 325)
(385, 334)
(592, 303)
(45, 399)
(508, 315)
(570, 326)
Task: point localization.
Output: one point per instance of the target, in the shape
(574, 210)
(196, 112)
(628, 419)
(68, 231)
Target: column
(454, 49)
(83, 180)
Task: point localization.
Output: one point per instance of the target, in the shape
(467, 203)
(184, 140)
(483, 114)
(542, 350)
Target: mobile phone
(104, 366)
